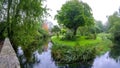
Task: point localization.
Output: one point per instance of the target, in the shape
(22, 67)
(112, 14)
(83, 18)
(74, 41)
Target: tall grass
(73, 54)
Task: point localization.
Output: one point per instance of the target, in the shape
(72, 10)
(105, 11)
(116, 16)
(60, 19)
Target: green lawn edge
(102, 43)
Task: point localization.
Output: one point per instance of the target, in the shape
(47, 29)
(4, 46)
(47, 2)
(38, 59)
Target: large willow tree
(75, 13)
(20, 20)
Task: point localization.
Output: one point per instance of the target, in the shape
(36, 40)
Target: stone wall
(8, 58)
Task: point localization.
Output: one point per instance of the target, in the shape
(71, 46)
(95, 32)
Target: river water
(43, 59)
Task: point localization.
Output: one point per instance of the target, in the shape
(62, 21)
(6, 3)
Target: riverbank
(82, 49)
(102, 43)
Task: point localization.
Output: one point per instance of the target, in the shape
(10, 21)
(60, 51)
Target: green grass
(80, 40)
(101, 43)
(81, 49)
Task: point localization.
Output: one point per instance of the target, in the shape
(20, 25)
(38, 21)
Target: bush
(69, 36)
(91, 36)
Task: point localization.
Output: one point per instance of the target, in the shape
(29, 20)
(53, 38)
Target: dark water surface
(43, 59)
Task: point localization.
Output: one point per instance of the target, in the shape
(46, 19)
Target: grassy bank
(81, 49)
(102, 43)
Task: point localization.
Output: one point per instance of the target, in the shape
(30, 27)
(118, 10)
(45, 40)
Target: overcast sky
(100, 8)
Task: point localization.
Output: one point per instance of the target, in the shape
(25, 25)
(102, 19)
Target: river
(43, 59)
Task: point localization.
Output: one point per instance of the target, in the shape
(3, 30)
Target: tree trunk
(74, 31)
(8, 18)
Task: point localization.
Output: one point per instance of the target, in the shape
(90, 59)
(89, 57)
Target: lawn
(102, 43)
(80, 40)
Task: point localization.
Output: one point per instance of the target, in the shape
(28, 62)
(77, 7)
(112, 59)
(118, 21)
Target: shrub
(69, 36)
(91, 36)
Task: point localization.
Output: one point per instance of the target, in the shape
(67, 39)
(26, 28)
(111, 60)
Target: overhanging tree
(73, 14)
(21, 20)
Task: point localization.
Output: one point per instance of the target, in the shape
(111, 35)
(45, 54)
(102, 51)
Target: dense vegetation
(81, 50)
(21, 21)
(74, 14)
(81, 37)
(77, 38)
(114, 26)
(74, 54)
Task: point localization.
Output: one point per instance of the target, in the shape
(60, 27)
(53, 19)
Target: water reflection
(75, 65)
(26, 55)
(45, 58)
(115, 52)
(35, 59)
(40, 57)
(105, 61)
(110, 59)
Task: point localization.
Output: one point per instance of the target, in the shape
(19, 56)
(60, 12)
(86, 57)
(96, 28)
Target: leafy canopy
(75, 13)
(21, 20)
(114, 22)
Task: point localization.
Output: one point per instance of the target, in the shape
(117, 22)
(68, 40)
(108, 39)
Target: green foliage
(80, 50)
(113, 19)
(68, 36)
(56, 30)
(81, 40)
(114, 22)
(63, 31)
(83, 31)
(116, 37)
(102, 42)
(114, 52)
(114, 26)
(73, 14)
(23, 37)
(99, 26)
(29, 54)
(89, 32)
(105, 43)
(22, 21)
(44, 34)
(77, 53)
(91, 36)
(2, 30)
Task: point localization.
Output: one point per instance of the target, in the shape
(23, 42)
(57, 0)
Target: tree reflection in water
(115, 52)
(33, 58)
(27, 55)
